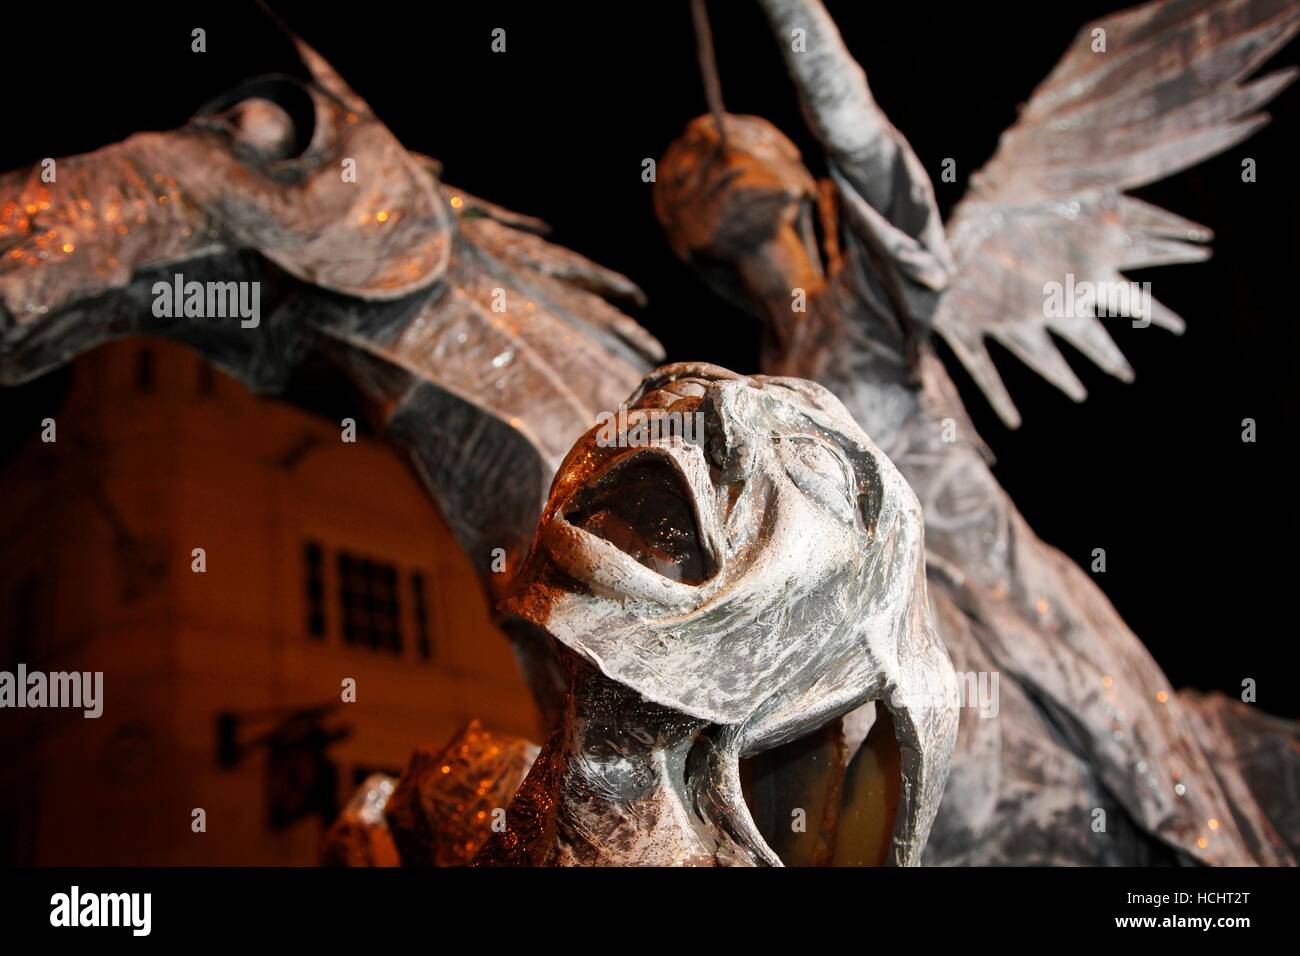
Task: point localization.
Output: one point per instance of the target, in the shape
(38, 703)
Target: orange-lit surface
(102, 524)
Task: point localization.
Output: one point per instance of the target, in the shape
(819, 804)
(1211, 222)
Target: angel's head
(740, 209)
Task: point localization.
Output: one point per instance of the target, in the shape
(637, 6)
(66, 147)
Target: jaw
(626, 782)
(718, 794)
(817, 801)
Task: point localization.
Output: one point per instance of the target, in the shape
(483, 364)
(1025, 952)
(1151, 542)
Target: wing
(1167, 92)
(588, 288)
(488, 349)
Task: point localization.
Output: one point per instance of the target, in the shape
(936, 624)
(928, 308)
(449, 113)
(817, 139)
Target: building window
(423, 644)
(368, 603)
(314, 564)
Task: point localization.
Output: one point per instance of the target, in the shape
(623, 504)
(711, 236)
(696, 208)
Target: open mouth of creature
(643, 506)
(829, 797)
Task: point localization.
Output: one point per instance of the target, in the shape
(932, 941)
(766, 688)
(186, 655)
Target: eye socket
(262, 126)
(822, 474)
(273, 117)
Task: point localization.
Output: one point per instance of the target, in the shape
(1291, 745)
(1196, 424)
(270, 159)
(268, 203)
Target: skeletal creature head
(277, 176)
(744, 554)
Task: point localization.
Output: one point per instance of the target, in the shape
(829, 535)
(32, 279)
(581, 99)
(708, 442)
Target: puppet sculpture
(1087, 720)
(715, 598)
(483, 348)
(487, 351)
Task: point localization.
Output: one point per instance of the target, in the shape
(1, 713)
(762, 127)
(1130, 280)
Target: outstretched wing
(1166, 93)
(487, 350)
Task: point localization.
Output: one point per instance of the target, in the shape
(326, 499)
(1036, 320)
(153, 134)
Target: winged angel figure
(1087, 720)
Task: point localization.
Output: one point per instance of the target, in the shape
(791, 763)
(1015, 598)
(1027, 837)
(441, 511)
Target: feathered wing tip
(1049, 209)
(1010, 276)
(515, 236)
(585, 290)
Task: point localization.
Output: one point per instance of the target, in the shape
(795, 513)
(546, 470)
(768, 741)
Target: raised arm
(887, 193)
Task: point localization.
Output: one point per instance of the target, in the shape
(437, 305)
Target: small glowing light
(382, 215)
(68, 247)
(1108, 681)
(457, 202)
(446, 768)
(1214, 824)
(1041, 606)
(1162, 697)
(1202, 842)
